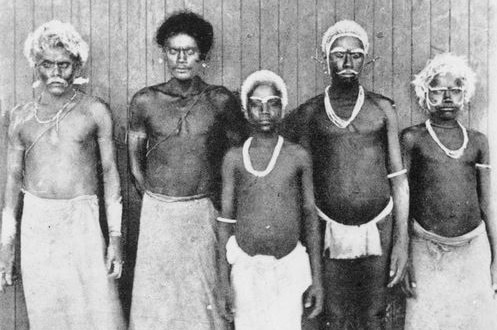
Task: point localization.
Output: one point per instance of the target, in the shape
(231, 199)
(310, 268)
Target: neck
(265, 138)
(450, 123)
(184, 85)
(47, 98)
(344, 90)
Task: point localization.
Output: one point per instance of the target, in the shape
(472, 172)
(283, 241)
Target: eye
(456, 91)
(255, 103)
(172, 51)
(46, 64)
(339, 54)
(274, 102)
(437, 92)
(356, 56)
(64, 65)
(191, 51)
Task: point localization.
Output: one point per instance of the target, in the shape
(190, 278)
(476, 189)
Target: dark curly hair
(188, 23)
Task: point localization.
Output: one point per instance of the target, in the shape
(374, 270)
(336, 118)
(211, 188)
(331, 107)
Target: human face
(264, 108)
(346, 59)
(445, 97)
(56, 69)
(182, 56)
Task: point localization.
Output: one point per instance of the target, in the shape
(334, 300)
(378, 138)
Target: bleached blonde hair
(442, 64)
(55, 34)
(344, 28)
(263, 77)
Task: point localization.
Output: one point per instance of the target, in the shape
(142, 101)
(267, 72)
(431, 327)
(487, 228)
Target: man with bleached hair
(55, 145)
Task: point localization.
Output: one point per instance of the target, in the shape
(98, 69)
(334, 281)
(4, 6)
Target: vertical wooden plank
(478, 43)
(382, 40)
(232, 72)
(344, 10)
(440, 26)
(325, 17)
(197, 6)
(421, 49)
(364, 15)
(99, 48)
(42, 12)
(459, 36)
(118, 98)
(306, 75)
(402, 61)
(288, 48)
(155, 60)
(269, 35)
(250, 41)
(81, 20)
(61, 10)
(7, 99)
(213, 12)
(492, 87)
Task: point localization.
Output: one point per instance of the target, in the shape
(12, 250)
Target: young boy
(268, 201)
(453, 265)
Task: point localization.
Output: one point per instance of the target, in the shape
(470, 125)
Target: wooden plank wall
(281, 35)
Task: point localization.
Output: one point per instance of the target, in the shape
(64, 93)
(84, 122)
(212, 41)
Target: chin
(57, 90)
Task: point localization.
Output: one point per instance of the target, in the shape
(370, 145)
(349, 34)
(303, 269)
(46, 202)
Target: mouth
(348, 73)
(182, 70)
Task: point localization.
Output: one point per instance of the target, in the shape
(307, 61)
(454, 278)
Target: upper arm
(295, 125)
(16, 147)
(232, 120)
(394, 152)
(228, 178)
(407, 143)
(103, 119)
(137, 114)
(307, 180)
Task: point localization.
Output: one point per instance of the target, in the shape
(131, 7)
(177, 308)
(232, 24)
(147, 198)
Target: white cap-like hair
(345, 28)
(263, 77)
(442, 64)
(55, 34)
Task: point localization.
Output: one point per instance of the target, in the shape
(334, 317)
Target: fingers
(308, 301)
(409, 286)
(317, 309)
(117, 269)
(394, 274)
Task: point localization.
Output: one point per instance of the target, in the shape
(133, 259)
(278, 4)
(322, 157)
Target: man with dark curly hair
(178, 133)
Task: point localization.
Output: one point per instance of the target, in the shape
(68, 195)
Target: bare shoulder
(233, 156)
(18, 115)
(411, 134)
(297, 152)
(97, 107)
(220, 96)
(145, 95)
(479, 139)
(386, 104)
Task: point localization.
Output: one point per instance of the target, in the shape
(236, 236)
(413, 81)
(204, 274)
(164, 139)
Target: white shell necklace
(449, 152)
(56, 116)
(335, 119)
(248, 163)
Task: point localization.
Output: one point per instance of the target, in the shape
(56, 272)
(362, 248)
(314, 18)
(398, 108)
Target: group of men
(311, 212)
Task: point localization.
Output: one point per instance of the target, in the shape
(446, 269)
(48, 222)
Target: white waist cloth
(351, 242)
(268, 291)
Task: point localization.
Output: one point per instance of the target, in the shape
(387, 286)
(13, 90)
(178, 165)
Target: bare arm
(137, 138)
(15, 163)
(487, 204)
(112, 189)
(312, 236)
(400, 192)
(225, 231)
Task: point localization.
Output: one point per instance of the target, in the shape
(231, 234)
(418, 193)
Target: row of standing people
(314, 203)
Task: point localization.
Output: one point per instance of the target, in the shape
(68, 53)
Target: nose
(447, 95)
(55, 71)
(182, 56)
(347, 61)
(265, 108)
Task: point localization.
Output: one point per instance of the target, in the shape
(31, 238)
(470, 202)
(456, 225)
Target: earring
(36, 83)
(204, 65)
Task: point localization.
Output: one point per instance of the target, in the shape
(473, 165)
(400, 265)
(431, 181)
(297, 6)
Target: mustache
(57, 80)
(348, 71)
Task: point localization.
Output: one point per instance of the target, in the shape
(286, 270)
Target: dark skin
(271, 211)
(63, 163)
(450, 196)
(351, 165)
(181, 165)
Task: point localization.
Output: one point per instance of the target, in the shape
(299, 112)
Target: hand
(493, 274)
(226, 302)
(409, 282)
(114, 257)
(314, 296)
(7, 255)
(398, 263)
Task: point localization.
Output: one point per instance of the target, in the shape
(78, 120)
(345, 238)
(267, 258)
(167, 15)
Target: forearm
(224, 233)
(313, 245)
(400, 191)
(113, 199)
(136, 150)
(9, 212)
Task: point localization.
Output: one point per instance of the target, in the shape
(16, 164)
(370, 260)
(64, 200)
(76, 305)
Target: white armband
(226, 220)
(114, 217)
(393, 175)
(137, 135)
(483, 166)
(8, 227)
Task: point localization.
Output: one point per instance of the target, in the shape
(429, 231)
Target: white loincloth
(351, 242)
(453, 283)
(175, 279)
(63, 266)
(268, 291)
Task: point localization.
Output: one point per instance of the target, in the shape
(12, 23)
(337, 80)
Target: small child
(452, 264)
(268, 189)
